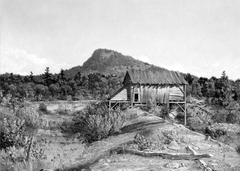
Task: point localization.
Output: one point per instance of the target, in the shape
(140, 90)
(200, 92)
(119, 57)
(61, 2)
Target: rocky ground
(165, 137)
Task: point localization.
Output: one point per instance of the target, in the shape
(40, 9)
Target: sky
(201, 37)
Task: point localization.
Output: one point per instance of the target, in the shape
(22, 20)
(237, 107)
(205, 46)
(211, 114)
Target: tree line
(216, 90)
(48, 86)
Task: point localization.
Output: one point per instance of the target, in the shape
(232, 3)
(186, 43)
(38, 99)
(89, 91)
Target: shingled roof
(157, 76)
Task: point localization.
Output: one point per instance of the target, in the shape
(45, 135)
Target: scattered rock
(196, 148)
(105, 164)
(184, 139)
(172, 165)
(174, 146)
(101, 161)
(183, 165)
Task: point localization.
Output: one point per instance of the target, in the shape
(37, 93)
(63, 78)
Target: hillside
(107, 62)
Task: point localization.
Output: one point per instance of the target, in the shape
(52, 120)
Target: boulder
(173, 165)
(174, 146)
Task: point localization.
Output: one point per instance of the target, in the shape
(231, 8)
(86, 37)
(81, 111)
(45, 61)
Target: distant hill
(107, 62)
(110, 62)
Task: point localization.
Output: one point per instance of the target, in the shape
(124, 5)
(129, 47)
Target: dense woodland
(99, 77)
(48, 86)
(219, 91)
(58, 87)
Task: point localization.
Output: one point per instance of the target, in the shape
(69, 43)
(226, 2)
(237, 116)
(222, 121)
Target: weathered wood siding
(154, 93)
(175, 94)
(159, 94)
(122, 95)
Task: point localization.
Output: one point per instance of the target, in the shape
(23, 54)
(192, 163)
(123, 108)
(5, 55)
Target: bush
(97, 122)
(43, 108)
(144, 143)
(195, 123)
(14, 160)
(238, 149)
(64, 112)
(169, 136)
(17, 131)
(12, 133)
(215, 133)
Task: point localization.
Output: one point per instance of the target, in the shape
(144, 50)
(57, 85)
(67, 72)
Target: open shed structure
(159, 86)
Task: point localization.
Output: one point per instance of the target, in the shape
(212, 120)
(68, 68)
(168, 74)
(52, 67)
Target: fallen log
(191, 150)
(171, 156)
(202, 164)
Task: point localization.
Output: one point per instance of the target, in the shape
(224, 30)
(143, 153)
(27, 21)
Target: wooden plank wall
(161, 94)
(175, 94)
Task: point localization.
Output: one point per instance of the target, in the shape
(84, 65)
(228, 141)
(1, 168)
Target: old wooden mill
(161, 86)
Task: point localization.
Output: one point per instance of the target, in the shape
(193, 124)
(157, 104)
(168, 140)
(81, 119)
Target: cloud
(198, 71)
(144, 59)
(20, 62)
(216, 64)
(175, 67)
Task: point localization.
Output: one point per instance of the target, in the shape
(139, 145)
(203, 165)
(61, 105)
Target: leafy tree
(54, 89)
(189, 78)
(196, 88)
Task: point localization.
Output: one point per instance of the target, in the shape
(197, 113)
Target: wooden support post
(185, 105)
(168, 99)
(168, 106)
(109, 106)
(132, 94)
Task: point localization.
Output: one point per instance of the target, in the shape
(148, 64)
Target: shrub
(196, 124)
(144, 143)
(12, 133)
(30, 116)
(215, 133)
(18, 131)
(238, 149)
(43, 107)
(198, 118)
(96, 122)
(14, 160)
(64, 112)
(169, 136)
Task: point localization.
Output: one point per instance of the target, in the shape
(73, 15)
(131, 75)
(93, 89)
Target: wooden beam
(181, 88)
(172, 156)
(176, 102)
(181, 107)
(132, 93)
(115, 105)
(185, 105)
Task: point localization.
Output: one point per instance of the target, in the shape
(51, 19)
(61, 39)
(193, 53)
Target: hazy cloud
(20, 62)
(144, 59)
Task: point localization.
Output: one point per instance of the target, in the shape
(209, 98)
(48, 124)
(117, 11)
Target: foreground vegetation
(215, 101)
